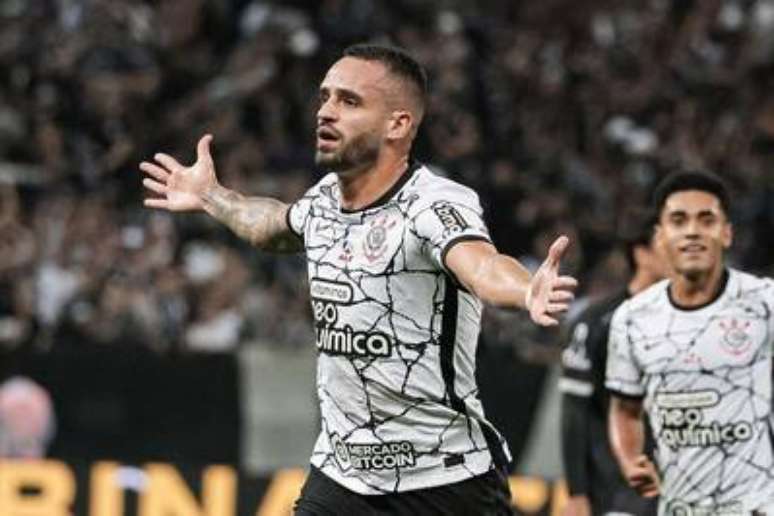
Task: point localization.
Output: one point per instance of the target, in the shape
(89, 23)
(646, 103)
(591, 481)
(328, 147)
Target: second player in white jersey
(705, 376)
(396, 336)
(695, 352)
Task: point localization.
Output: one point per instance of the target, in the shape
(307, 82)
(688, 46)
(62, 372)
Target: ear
(400, 125)
(727, 237)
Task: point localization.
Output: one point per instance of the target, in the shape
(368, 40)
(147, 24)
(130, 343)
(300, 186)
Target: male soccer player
(696, 352)
(399, 262)
(594, 481)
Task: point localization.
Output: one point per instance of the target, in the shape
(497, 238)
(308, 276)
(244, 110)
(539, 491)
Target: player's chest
(732, 337)
(371, 244)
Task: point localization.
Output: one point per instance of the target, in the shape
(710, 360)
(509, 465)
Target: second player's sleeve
(447, 216)
(623, 375)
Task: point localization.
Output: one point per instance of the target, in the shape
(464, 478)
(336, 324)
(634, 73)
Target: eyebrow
(702, 213)
(342, 92)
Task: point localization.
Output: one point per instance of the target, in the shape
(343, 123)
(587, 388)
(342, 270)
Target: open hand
(549, 293)
(180, 188)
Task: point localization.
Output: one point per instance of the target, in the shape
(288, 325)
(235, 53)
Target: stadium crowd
(561, 118)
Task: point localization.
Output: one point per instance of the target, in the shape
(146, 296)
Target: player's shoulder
(323, 190)
(430, 192)
(326, 184)
(431, 186)
(644, 303)
(745, 284)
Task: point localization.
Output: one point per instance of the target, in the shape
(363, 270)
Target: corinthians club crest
(735, 340)
(375, 241)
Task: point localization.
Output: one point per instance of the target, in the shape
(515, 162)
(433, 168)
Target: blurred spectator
(560, 117)
(27, 419)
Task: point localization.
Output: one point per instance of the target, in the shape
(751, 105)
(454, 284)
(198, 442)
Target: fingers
(168, 161)
(647, 489)
(643, 477)
(643, 484)
(560, 296)
(554, 300)
(155, 186)
(639, 476)
(557, 308)
(557, 250)
(642, 461)
(565, 283)
(558, 301)
(154, 170)
(157, 183)
(203, 148)
(544, 319)
(156, 203)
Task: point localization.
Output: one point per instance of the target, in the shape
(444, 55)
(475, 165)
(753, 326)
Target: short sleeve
(297, 215)
(448, 216)
(623, 374)
(300, 212)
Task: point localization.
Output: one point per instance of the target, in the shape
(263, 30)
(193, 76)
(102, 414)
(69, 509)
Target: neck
(639, 282)
(689, 290)
(363, 188)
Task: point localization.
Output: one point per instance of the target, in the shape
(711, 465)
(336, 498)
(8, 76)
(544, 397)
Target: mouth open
(693, 248)
(326, 134)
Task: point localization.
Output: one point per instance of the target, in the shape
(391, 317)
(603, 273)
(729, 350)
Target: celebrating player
(399, 262)
(594, 481)
(696, 353)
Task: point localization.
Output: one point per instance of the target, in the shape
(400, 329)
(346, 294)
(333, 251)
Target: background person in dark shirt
(594, 482)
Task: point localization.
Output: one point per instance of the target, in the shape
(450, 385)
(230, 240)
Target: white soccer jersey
(705, 376)
(396, 336)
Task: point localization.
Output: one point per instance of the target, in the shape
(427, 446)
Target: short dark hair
(691, 180)
(397, 61)
(637, 229)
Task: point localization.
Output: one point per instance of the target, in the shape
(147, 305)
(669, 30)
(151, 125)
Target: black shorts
(485, 495)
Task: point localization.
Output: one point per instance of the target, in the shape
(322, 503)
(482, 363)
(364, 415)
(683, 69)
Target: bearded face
(352, 116)
(343, 155)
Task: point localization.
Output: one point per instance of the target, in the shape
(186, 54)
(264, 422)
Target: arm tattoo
(259, 220)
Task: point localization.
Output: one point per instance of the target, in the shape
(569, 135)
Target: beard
(353, 156)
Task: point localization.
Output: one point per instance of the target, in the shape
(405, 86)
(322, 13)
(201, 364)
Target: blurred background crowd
(561, 117)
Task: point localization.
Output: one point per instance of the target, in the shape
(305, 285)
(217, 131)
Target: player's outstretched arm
(502, 281)
(627, 439)
(259, 220)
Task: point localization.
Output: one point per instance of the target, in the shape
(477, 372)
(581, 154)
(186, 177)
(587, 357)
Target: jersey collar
(721, 290)
(413, 166)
